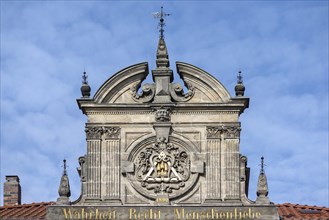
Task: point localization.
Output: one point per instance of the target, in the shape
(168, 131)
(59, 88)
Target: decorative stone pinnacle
(85, 88)
(239, 88)
(64, 188)
(162, 54)
(262, 186)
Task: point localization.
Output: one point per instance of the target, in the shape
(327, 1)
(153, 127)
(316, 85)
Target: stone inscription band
(179, 213)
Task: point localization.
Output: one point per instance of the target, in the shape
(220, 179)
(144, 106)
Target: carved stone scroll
(82, 169)
(147, 94)
(177, 92)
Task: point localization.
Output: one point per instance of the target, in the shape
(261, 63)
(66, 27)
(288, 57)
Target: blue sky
(280, 46)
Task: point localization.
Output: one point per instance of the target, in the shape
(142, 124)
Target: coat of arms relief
(162, 167)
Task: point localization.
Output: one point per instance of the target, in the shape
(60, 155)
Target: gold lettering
(213, 214)
(104, 215)
(178, 214)
(195, 215)
(229, 215)
(76, 214)
(245, 214)
(67, 214)
(131, 213)
(162, 200)
(100, 213)
(82, 213)
(250, 213)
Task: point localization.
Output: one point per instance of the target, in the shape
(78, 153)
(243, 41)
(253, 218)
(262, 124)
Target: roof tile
(33, 211)
(300, 212)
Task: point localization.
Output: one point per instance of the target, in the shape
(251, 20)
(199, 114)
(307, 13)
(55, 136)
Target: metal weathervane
(262, 165)
(240, 78)
(161, 15)
(64, 166)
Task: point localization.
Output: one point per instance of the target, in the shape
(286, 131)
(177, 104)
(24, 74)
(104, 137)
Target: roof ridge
(299, 205)
(26, 205)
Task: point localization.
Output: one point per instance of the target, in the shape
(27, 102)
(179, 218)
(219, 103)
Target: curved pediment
(206, 87)
(120, 87)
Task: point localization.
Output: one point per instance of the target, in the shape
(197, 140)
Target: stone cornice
(152, 112)
(237, 106)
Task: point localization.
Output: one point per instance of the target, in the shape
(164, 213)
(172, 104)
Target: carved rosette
(227, 131)
(162, 167)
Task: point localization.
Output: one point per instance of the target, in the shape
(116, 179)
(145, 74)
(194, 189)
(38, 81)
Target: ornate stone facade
(163, 148)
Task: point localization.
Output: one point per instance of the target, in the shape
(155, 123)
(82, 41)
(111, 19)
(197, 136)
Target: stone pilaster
(103, 158)
(94, 169)
(93, 136)
(231, 165)
(110, 162)
(223, 176)
(213, 172)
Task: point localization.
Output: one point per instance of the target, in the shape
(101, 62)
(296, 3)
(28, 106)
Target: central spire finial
(262, 165)
(64, 166)
(161, 15)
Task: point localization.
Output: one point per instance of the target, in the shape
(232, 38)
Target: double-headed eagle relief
(162, 167)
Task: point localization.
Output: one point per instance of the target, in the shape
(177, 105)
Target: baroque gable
(164, 147)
